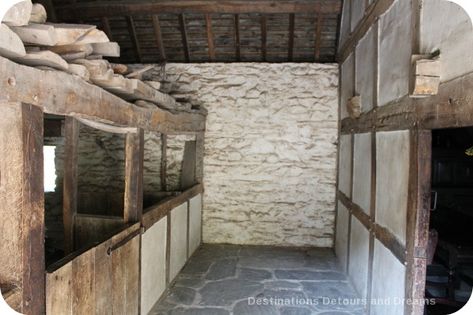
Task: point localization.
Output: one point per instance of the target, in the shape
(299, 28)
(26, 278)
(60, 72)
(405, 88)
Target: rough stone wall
(270, 150)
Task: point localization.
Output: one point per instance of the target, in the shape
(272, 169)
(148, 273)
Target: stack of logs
(26, 38)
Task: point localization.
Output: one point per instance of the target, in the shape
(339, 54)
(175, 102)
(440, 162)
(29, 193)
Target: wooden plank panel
(83, 283)
(132, 261)
(103, 285)
(59, 291)
(210, 37)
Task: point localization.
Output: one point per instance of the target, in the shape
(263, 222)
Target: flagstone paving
(259, 280)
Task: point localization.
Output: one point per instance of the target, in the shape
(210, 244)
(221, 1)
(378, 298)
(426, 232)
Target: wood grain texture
(134, 156)
(78, 98)
(59, 291)
(83, 283)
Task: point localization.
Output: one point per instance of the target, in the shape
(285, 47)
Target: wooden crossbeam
(290, 49)
(159, 37)
(115, 8)
(264, 36)
(237, 37)
(134, 38)
(185, 44)
(318, 36)
(210, 37)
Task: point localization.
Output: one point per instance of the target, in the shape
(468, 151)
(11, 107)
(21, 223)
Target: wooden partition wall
(385, 153)
(105, 276)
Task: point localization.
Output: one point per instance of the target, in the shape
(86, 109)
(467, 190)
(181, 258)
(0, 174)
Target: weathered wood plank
(134, 155)
(83, 283)
(264, 35)
(59, 291)
(237, 37)
(99, 9)
(43, 58)
(63, 94)
(451, 107)
(103, 285)
(164, 145)
(185, 44)
(19, 14)
(210, 37)
(11, 45)
(153, 214)
(132, 261)
(71, 146)
(290, 52)
(132, 31)
(159, 37)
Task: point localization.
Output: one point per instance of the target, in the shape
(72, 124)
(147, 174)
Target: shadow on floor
(230, 279)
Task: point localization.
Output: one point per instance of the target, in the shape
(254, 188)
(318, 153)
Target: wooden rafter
(106, 27)
(237, 37)
(264, 36)
(114, 8)
(134, 37)
(159, 37)
(210, 37)
(290, 49)
(318, 35)
(185, 44)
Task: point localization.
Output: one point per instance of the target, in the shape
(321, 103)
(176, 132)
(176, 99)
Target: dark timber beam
(134, 156)
(237, 37)
(60, 93)
(264, 36)
(164, 166)
(114, 8)
(290, 49)
(159, 38)
(318, 36)
(450, 108)
(185, 44)
(210, 37)
(381, 233)
(134, 38)
(71, 152)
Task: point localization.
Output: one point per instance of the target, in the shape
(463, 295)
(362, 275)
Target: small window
(49, 152)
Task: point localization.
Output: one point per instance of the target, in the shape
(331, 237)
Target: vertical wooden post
(199, 157)
(418, 216)
(71, 146)
(22, 204)
(134, 152)
(164, 145)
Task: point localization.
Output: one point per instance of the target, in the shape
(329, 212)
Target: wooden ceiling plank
(210, 37)
(159, 38)
(185, 43)
(290, 52)
(318, 36)
(264, 36)
(134, 37)
(86, 10)
(237, 37)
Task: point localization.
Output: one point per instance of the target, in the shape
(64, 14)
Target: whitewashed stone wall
(270, 150)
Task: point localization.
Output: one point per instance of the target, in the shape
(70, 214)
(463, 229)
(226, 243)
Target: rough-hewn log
(63, 94)
(99, 9)
(451, 107)
(22, 204)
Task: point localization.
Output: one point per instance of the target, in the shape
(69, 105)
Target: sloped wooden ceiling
(209, 30)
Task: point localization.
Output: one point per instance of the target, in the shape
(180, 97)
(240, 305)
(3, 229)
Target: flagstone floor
(229, 279)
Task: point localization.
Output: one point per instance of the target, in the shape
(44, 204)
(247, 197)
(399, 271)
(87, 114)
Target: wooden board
(89, 229)
(110, 49)
(38, 34)
(68, 34)
(91, 37)
(83, 280)
(103, 285)
(59, 291)
(43, 58)
(19, 14)
(11, 45)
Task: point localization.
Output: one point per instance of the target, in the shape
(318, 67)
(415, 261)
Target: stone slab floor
(229, 279)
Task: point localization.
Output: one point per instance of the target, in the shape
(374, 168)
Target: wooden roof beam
(134, 38)
(237, 38)
(185, 43)
(210, 37)
(318, 36)
(290, 49)
(113, 8)
(159, 38)
(264, 36)
(106, 28)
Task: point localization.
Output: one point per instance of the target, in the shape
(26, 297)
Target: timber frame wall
(451, 107)
(26, 95)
